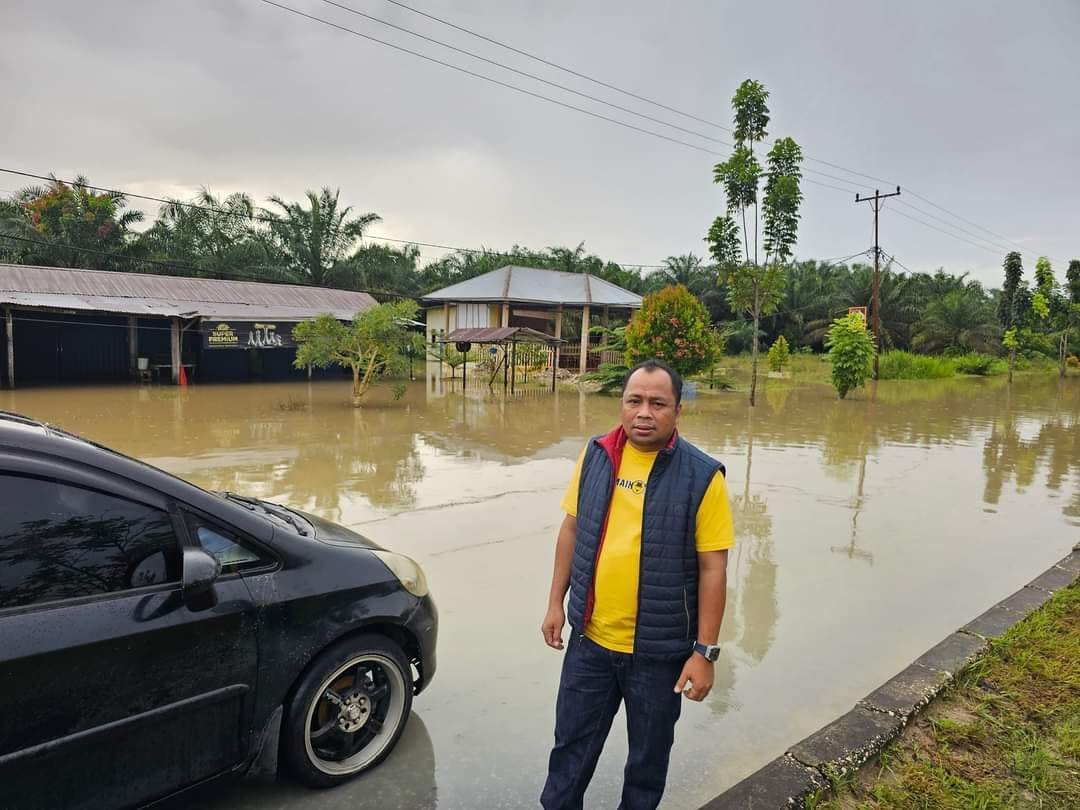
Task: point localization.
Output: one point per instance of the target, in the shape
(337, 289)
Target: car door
(115, 686)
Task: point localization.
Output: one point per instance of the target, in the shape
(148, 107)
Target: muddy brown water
(867, 531)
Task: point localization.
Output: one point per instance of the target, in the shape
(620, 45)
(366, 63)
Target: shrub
(898, 365)
(673, 326)
(851, 352)
(982, 365)
(1072, 361)
(778, 354)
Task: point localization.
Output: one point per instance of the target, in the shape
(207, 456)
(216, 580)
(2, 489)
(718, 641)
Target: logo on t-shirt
(637, 487)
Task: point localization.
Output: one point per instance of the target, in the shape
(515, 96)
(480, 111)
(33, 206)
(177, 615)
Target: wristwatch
(710, 651)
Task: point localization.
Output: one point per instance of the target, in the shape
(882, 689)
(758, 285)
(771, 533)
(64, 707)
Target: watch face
(713, 653)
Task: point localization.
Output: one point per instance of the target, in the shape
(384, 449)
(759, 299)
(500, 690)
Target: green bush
(981, 365)
(673, 325)
(851, 352)
(898, 365)
(778, 354)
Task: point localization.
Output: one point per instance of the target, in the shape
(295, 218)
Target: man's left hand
(697, 674)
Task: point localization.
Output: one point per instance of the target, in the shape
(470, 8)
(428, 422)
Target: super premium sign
(247, 335)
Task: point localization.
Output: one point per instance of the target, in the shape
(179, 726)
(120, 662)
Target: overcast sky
(972, 104)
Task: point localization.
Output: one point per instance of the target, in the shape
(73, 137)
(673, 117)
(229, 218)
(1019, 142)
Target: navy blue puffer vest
(668, 578)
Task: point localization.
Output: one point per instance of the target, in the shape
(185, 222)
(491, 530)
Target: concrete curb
(860, 735)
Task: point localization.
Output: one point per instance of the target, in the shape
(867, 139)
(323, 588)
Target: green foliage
(783, 197)
(373, 345)
(213, 235)
(900, 365)
(755, 283)
(1010, 303)
(1073, 361)
(673, 326)
(778, 354)
(1044, 276)
(981, 365)
(315, 240)
(851, 352)
(61, 225)
(1010, 340)
(1072, 281)
(961, 319)
(750, 105)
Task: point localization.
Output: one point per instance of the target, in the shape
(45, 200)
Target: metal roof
(500, 334)
(164, 296)
(535, 285)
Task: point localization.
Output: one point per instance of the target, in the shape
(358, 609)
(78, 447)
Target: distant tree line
(317, 240)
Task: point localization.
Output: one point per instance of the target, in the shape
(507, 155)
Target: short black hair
(655, 365)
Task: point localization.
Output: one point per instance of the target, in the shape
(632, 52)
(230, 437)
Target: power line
(557, 66)
(519, 72)
(947, 233)
(270, 219)
(509, 86)
(653, 102)
(550, 83)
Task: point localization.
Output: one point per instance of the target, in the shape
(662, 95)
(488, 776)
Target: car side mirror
(200, 573)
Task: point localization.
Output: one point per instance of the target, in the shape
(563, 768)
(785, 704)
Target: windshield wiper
(289, 515)
(272, 509)
(249, 503)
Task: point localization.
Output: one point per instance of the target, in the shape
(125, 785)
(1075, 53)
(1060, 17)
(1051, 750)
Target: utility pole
(878, 202)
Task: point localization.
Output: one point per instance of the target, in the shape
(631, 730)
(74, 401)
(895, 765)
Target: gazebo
(525, 298)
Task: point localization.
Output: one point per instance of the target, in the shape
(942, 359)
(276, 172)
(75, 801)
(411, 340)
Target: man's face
(649, 412)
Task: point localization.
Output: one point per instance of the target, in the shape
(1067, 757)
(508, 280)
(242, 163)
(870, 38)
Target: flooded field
(867, 531)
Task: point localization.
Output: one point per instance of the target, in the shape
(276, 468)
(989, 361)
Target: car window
(60, 541)
(222, 545)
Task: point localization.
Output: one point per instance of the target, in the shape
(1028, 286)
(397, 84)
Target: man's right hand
(553, 626)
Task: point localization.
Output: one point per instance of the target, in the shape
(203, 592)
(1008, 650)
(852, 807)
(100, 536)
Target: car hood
(329, 532)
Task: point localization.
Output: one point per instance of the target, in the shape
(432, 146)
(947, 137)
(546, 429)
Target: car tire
(356, 698)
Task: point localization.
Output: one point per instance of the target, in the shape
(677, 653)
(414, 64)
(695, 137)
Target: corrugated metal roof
(534, 285)
(141, 294)
(499, 334)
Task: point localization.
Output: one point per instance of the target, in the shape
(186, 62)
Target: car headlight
(409, 573)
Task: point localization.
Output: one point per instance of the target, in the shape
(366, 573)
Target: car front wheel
(348, 711)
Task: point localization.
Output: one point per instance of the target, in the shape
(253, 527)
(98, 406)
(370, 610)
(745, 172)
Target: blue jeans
(594, 682)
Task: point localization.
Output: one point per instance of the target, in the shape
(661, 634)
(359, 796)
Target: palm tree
(899, 308)
(316, 240)
(65, 225)
(213, 235)
(960, 319)
(809, 302)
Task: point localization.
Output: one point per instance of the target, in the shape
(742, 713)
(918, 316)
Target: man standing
(643, 552)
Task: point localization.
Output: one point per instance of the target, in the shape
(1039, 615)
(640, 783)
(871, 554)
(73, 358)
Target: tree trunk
(356, 385)
(1012, 363)
(754, 350)
(1063, 350)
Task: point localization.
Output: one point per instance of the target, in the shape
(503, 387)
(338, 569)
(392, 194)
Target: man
(643, 552)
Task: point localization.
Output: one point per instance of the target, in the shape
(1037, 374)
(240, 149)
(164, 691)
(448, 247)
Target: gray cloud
(972, 104)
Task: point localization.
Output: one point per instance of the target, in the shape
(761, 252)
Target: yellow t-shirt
(614, 613)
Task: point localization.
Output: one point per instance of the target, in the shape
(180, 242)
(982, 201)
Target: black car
(154, 635)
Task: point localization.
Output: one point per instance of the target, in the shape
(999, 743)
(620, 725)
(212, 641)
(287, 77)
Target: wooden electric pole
(878, 201)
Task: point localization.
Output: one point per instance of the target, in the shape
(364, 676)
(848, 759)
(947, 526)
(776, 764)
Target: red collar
(614, 442)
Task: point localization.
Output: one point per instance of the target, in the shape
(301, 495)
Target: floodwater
(867, 531)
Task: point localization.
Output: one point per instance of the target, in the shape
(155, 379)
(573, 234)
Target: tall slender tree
(755, 280)
(1010, 305)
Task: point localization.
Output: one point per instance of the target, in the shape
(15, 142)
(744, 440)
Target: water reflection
(842, 510)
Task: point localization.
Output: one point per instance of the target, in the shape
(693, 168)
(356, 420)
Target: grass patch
(898, 365)
(1006, 733)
